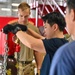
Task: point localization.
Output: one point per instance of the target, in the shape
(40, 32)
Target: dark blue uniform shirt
(63, 62)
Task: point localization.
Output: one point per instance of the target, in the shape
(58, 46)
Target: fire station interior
(8, 12)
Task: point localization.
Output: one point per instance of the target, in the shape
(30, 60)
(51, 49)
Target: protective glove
(8, 28)
(19, 27)
(22, 27)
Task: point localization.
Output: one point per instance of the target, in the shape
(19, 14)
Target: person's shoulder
(59, 39)
(65, 54)
(70, 48)
(13, 21)
(31, 23)
(66, 48)
(54, 39)
(33, 27)
(70, 45)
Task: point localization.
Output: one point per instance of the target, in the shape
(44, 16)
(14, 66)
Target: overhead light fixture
(3, 0)
(15, 10)
(15, 4)
(5, 9)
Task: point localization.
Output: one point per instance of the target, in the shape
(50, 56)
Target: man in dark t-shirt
(54, 26)
(51, 47)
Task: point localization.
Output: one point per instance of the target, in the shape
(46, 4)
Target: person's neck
(22, 22)
(60, 35)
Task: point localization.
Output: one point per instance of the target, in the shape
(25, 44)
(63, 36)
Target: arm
(38, 56)
(33, 33)
(39, 59)
(31, 42)
(35, 44)
(26, 39)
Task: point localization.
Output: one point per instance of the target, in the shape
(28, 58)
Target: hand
(22, 27)
(18, 27)
(8, 28)
(14, 29)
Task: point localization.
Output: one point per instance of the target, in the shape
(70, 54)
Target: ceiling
(7, 9)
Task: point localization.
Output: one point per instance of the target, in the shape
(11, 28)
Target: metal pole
(58, 8)
(36, 13)
(5, 56)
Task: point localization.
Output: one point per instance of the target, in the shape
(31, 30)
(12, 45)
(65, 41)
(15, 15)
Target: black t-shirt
(51, 45)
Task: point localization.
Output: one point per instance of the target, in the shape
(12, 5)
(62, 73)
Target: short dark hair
(71, 4)
(55, 17)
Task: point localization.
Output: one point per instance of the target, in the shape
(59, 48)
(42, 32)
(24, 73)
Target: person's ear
(55, 26)
(72, 14)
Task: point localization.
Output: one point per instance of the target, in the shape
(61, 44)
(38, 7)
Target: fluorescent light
(15, 4)
(3, 0)
(5, 9)
(15, 10)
